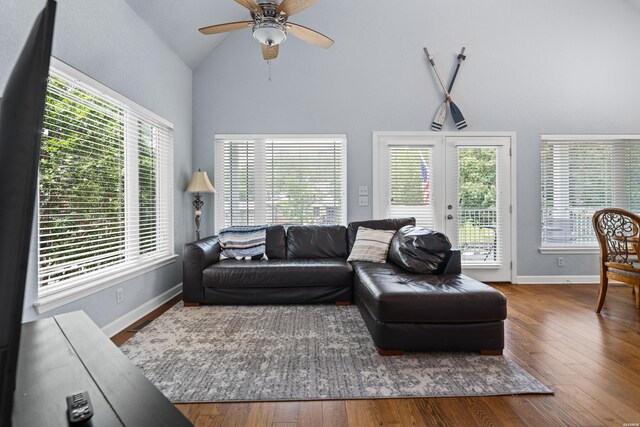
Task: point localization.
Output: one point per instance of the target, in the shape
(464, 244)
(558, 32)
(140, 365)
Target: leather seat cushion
(276, 242)
(394, 295)
(232, 273)
(317, 241)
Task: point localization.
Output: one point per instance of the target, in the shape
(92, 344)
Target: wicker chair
(617, 231)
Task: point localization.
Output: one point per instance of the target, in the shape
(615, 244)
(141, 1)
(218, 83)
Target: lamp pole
(197, 203)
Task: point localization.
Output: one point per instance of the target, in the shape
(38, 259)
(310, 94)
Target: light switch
(363, 190)
(363, 201)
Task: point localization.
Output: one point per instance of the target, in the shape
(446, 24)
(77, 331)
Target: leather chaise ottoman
(404, 311)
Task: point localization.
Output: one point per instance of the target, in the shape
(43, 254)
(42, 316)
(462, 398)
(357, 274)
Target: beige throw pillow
(371, 245)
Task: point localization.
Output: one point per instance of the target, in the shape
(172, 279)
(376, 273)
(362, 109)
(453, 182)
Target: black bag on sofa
(419, 249)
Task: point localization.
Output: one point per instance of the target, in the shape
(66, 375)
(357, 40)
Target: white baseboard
(557, 280)
(122, 322)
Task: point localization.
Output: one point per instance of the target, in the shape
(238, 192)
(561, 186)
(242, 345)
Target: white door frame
(502, 144)
(378, 183)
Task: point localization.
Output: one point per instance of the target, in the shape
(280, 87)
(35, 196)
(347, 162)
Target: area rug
(306, 352)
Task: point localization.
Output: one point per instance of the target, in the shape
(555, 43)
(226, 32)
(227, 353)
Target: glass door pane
(410, 184)
(478, 225)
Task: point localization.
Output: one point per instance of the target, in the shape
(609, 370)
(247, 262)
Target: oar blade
(438, 120)
(457, 116)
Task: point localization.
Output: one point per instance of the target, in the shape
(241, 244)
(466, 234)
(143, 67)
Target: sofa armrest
(453, 265)
(197, 256)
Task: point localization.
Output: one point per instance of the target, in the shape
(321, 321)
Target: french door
(459, 184)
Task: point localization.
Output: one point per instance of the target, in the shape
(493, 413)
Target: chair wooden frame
(618, 233)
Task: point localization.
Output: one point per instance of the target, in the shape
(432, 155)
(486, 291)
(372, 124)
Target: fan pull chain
(269, 64)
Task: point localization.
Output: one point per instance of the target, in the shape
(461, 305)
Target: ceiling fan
(270, 24)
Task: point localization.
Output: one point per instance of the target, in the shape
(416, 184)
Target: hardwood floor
(592, 362)
(122, 336)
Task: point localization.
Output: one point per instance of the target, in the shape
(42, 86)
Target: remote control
(79, 407)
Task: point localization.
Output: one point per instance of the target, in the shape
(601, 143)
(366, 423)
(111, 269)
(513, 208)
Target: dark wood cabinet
(67, 354)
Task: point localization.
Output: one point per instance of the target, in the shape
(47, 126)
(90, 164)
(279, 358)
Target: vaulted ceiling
(635, 4)
(177, 23)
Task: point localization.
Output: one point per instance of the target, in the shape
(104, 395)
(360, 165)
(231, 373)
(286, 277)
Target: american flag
(425, 180)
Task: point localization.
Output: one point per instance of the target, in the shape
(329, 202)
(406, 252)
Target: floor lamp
(199, 184)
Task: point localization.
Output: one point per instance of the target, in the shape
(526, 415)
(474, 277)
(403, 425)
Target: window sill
(483, 266)
(54, 298)
(567, 250)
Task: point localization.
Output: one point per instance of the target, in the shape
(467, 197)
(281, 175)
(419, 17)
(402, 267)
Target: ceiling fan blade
(270, 52)
(310, 36)
(224, 28)
(291, 7)
(251, 5)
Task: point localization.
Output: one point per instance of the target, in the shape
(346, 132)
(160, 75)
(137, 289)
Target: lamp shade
(200, 183)
(269, 33)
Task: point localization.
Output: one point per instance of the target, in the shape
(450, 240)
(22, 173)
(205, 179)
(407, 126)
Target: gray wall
(106, 40)
(533, 67)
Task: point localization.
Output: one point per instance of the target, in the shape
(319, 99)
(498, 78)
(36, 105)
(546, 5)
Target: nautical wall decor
(441, 114)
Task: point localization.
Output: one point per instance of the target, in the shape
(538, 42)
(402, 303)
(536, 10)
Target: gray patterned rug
(306, 352)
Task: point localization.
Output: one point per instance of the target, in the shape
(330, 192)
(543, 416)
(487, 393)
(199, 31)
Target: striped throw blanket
(243, 241)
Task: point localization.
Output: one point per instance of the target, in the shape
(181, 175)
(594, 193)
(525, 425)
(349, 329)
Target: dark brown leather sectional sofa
(403, 311)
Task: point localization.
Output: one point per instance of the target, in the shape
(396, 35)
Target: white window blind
(283, 180)
(410, 184)
(581, 175)
(238, 164)
(105, 188)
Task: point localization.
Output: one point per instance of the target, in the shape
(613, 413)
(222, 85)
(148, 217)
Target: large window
(280, 180)
(105, 198)
(581, 175)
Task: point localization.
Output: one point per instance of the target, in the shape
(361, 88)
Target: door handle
(449, 216)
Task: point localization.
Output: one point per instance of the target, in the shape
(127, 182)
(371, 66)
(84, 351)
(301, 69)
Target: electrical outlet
(119, 296)
(363, 190)
(363, 201)
(560, 261)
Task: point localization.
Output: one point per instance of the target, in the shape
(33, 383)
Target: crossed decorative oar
(441, 114)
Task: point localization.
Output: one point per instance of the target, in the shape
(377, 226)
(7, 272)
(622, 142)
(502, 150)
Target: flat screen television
(21, 117)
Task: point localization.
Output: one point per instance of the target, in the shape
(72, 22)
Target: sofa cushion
(419, 249)
(393, 294)
(232, 273)
(377, 224)
(276, 246)
(371, 245)
(625, 273)
(316, 241)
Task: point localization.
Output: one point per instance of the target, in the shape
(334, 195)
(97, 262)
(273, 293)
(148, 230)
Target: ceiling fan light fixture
(269, 33)
(270, 25)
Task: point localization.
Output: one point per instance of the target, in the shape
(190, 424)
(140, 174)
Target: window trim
(66, 294)
(564, 249)
(57, 296)
(79, 78)
(568, 250)
(292, 136)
